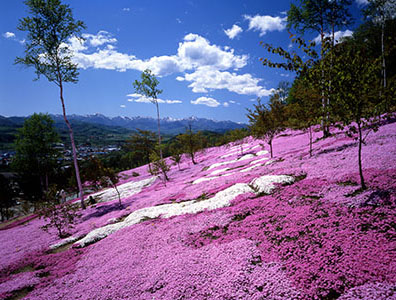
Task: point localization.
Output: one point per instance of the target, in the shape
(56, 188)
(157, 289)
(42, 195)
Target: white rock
(126, 190)
(215, 172)
(221, 199)
(265, 184)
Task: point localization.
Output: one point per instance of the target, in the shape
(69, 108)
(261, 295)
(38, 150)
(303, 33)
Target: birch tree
(49, 28)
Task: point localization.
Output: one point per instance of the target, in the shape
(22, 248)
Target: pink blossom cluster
(319, 237)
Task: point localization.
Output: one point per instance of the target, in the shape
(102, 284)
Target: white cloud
(143, 99)
(338, 35)
(226, 104)
(266, 23)
(196, 51)
(207, 78)
(206, 61)
(362, 2)
(9, 35)
(206, 101)
(232, 101)
(102, 37)
(233, 31)
(126, 9)
(122, 105)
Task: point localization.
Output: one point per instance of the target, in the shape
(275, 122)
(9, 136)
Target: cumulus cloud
(102, 37)
(9, 35)
(206, 101)
(122, 105)
(233, 31)
(193, 52)
(226, 104)
(362, 2)
(337, 36)
(126, 9)
(143, 99)
(206, 62)
(264, 24)
(207, 78)
(196, 51)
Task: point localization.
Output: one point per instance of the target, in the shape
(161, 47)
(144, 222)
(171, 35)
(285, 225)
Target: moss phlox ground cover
(235, 226)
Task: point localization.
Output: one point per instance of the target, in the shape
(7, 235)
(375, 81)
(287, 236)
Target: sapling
(159, 166)
(61, 216)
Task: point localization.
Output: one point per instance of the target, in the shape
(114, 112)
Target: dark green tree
(159, 166)
(35, 160)
(148, 88)
(267, 121)
(322, 17)
(49, 29)
(191, 142)
(98, 176)
(303, 110)
(140, 145)
(379, 12)
(7, 195)
(61, 216)
(357, 102)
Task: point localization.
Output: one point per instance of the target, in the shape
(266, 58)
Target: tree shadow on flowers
(101, 211)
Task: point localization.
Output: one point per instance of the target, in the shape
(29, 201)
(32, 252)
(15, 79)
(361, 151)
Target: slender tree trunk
(310, 141)
(192, 157)
(323, 88)
(383, 52)
(362, 183)
(270, 144)
(80, 188)
(118, 193)
(159, 130)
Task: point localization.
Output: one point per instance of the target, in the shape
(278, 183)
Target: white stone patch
(238, 148)
(262, 152)
(258, 160)
(126, 190)
(202, 179)
(221, 199)
(247, 156)
(229, 154)
(265, 184)
(250, 168)
(215, 172)
(66, 241)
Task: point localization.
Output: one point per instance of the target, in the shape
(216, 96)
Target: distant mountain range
(169, 126)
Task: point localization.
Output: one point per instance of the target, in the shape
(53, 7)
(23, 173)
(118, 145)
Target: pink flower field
(237, 225)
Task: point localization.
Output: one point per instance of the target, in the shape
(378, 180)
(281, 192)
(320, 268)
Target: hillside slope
(238, 225)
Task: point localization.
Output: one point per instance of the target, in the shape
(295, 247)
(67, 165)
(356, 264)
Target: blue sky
(205, 54)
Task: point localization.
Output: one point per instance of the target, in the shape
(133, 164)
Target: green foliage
(62, 216)
(158, 166)
(319, 16)
(191, 142)
(176, 158)
(148, 88)
(148, 85)
(35, 160)
(140, 145)
(267, 121)
(357, 102)
(98, 176)
(7, 195)
(49, 28)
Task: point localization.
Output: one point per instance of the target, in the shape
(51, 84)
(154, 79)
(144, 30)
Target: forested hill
(99, 129)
